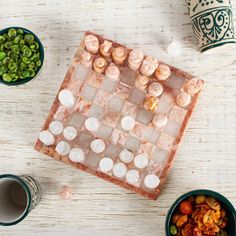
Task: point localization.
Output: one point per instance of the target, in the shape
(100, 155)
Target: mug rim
(26, 188)
(208, 192)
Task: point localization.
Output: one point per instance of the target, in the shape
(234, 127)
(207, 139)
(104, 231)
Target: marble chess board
(119, 115)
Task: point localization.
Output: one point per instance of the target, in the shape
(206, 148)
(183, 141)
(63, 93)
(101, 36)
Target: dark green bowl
(26, 80)
(230, 210)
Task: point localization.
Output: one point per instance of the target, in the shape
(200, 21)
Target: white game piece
(155, 89)
(148, 66)
(174, 48)
(120, 170)
(56, 127)
(106, 164)
(126, 156)
(76, 155)
(159, 120)
(151, 181)
(46, 138)
(62, 148)
(132, 176)
(66, 98)
(141, 161)
(97, 146)
(127, 123)
(92, 124)
(135, 59)
(70, 133)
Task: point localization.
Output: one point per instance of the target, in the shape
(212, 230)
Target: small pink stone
(66, 193)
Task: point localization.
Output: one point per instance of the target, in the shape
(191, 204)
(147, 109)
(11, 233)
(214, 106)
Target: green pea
(15, 49)
(2, 55)
(6, 60)
(32, 72)
(173, 230)
(12, 33)
(38, 63)
(6, 78)
(22, 42)
(20, 31)
(2, 71)
(29, 38)
(2, 47)
(26, 74)
(17, 40)
(26, 60)
(12, 66)
(31, 65)
(23, 65)
(2, 39)
(26, 52)
(8, 45)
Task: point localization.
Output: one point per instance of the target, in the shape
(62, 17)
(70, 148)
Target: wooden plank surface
(206, 158)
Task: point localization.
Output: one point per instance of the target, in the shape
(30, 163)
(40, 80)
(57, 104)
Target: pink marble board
(109, 100)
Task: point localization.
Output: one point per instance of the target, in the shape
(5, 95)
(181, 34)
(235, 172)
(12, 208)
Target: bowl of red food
(201, 213)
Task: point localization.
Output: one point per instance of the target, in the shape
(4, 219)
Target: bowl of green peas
(21, 56)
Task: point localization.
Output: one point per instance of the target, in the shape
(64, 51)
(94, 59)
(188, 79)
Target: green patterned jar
(212, 22)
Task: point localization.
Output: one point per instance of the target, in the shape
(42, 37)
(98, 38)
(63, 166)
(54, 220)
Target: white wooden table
(206, 158)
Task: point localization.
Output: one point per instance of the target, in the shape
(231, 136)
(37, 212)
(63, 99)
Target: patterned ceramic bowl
(230, 210)
(41, 50)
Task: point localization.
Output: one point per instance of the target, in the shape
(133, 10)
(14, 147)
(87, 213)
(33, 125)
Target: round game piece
(141, 161)
(155, 89)
(105, 48)
(183, 99)
(76, 155)
(86, 59)
(151, 181)
(132, 176)
(135, 59)
(70, 133)
(148, 66)
(112, 72)
(62, 148)
(119, 55)
(174, 48)
(193, 86)
(99, 65)
(141, 82)
(126, 156)
(46, 138)
(56, 127)
(127, 123)
(119, 170)
(150, 103)
(91, 43)
(159, 120)
(66, 98)
(106, 164)
(97, 146)
(162, 72)
(92, 124)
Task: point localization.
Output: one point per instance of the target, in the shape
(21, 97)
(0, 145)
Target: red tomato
(186, 208)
